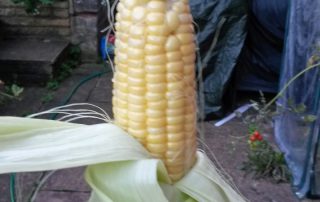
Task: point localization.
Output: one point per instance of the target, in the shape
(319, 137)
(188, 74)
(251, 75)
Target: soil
(226, 145)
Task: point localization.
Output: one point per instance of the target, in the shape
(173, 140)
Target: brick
(84, 6)
(7, 11)
(21, 12)
(35, 21)
(61, 4)
(84, 24)
(37, 31)
(44, 12)
(61, 13)
(84, 33)
(9, 3)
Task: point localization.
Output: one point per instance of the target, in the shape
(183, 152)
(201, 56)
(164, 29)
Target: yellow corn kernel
(157, 139)
(172, 20)
(157, 6)
(174, 56)
(185, 38)
(156, 40)
(151, 49)
(155, 18)
(155, 114)
(138, 14)
(185, 18)
(185, 28)
(172, 43)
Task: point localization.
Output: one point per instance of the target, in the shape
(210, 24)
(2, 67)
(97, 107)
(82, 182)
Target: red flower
(252, 138)
(257, 135)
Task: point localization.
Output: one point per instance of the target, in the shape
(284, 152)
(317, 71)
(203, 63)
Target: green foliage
(11, 92)
(64, 71)
(264, 161)
(14, 90)
(47, 97)
(300, 110)
(53, 85)
(66, 68)
(32, 6)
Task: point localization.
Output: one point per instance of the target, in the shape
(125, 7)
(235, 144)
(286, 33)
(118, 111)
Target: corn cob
(153, 84)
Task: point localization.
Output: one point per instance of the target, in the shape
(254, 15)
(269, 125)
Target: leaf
(300, 108)
(204, 183)
(134, 181)
(309, 118)
(38, 145)
(16, 90)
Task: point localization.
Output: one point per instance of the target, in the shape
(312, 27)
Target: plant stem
(289, 83)
(7, 95)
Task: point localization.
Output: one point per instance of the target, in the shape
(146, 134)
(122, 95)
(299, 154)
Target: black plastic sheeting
(297, 128)
(260, 62)
(221, 34)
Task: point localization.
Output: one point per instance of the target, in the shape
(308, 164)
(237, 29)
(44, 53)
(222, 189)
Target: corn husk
(119, 170)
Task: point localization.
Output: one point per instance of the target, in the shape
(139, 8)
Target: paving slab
(89, 68)
(67, 180)
(62, 196)
(28, 102)
(103, 90)
(31, 50)
(4, 188)
(30, 61)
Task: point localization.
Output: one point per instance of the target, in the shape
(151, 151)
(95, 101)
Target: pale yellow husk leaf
(121, 169)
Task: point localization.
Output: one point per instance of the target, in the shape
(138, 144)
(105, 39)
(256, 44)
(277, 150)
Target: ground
(226, 145)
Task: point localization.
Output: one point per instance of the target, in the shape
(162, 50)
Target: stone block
(85, 6)
(61, 13)
(8, 3)
(35, 21)
(44, 12)
(59, 4)
(7, 11)
(21, 12)
(89, 50)
(84, 33)
(30, 61)
(84, 25)
(58, 32)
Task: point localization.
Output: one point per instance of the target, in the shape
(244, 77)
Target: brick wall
(74, 20)
(53, 21)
